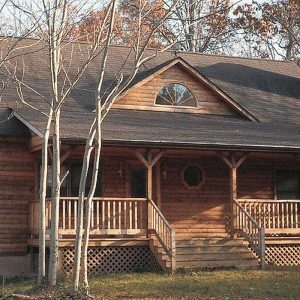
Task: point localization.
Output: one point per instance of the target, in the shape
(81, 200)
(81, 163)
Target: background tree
(127, 23)
(271, 28)
(204, 25)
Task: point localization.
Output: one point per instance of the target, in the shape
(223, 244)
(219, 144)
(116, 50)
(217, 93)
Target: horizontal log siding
(256, 176)
(17, 178)
(201, 211)
(113, 181)
(145, 95)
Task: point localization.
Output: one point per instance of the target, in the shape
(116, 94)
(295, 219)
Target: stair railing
(252, 231)
(165, 234)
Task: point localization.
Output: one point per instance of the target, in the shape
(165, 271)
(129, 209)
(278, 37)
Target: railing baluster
(114, 214)
(120, 215)
(141, 214)
(136, 215)
(92, 215)
(75, 214)
(296, 215)
(292, 215)
(108, 215)
(130, 215)
(97, 215)
(69, 213)
(269, 215)
(125, 214)
(103, 215)
(63, 214)
(282, 215)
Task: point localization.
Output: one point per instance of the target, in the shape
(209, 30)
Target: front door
(138, 182)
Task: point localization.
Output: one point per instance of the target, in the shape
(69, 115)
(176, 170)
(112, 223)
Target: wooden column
(149, 176)
(233, 163)
(233, 195)
(158, 185)
(149, 162)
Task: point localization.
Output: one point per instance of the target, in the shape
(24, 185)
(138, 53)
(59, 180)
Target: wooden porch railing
(165, 234)
(252, 231)
(276, 216)
(110, 216)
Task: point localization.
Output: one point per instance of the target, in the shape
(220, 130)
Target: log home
(200, 166)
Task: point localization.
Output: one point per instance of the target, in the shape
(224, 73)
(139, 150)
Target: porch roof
(164, 129)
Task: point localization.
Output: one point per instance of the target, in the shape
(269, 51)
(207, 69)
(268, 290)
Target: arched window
(176, 94)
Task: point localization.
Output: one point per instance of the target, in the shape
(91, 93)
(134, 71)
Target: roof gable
(211, 99)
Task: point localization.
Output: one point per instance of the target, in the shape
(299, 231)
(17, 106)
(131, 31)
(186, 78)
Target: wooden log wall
(197, 212)
(144, 96)
(256, 178)
(17, 178)
(114, 178)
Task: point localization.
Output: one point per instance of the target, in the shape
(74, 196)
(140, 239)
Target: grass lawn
(225, 284)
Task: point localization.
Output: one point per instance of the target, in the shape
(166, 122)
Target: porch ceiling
(164, 129)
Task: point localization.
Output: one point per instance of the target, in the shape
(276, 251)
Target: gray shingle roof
(176, 130)
(269, 90)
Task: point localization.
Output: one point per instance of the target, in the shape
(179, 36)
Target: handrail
(163, 231)
(269, 200)
(160, 214)
(99, 199)
(252, 231)
(274, 215)
(247, 213)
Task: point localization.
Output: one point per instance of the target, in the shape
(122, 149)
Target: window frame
(68, 179)
(285, 169)
(187, 186)
(173, 106)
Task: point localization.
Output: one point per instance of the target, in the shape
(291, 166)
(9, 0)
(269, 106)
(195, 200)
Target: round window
(192, 176)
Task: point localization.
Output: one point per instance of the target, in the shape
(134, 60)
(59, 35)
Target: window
(64, 185)
(175, 94)
(288, 185)
(70, 186)
(75, 181)
(192, 176)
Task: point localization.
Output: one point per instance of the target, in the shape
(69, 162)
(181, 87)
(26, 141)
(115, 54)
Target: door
(138, 182)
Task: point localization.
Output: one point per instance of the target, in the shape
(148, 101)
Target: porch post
(149, 162)
(233, 196)
(149, 176)
(233, 164)
(158, 185)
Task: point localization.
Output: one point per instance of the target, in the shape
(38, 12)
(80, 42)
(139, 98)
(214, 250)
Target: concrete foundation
(11, 266)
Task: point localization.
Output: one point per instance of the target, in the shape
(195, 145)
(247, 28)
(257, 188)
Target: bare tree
(55, 20)
(204, 25)
(103, 105)
(271, 28)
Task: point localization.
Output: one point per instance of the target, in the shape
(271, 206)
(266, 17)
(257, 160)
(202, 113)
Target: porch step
(193, 253)
(204, 241)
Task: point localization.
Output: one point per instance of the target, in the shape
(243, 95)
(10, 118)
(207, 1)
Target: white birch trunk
(42, 211)
(89, 203)
(79, 229)
(55, 200)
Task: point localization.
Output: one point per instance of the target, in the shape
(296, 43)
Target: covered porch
(217, 211)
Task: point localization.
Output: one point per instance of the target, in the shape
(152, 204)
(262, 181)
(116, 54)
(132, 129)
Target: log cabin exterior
(199, 167)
